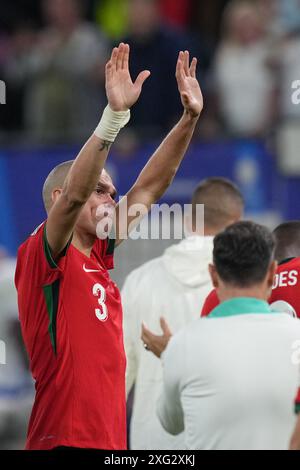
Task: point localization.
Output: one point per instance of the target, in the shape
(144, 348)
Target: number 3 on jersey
(102, 312)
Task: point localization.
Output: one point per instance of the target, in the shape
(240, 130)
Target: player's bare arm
(160, 170)
(84, 174)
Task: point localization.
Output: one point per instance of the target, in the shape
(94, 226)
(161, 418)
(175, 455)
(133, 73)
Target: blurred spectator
(288, 56)
(15, 72)
(244, 80)
(269, 12)
(289, 62)
(13, 13)
(64, 74)
(288, 15)
(177, 13)
(206, 17)
(16, 388)
(112, 17)
(155, 47)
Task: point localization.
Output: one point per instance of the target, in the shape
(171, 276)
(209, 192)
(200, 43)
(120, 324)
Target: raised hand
(188, 86)
(121, 92)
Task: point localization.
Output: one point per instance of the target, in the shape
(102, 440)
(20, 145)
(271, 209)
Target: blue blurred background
(52, 57)
(248, 162)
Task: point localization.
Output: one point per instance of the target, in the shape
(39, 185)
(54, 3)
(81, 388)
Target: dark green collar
(240, 306)
(286, 260)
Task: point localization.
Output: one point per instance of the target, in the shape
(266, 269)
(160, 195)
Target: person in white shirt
(174, 285)
(230, 380)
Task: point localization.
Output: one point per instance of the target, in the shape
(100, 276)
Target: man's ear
(271, 273)
(214, 275)
(55, 194)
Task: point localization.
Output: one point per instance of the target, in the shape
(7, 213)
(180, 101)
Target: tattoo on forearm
(105, 145)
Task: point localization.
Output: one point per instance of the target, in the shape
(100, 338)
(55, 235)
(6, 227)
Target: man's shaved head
(222, 200)
(55, 180)
(287, 237)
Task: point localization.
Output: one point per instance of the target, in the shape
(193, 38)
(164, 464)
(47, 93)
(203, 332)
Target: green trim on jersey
(297, 408)
(240, 306)
(286, 260)
(110, 246)
(51, 293)
(47, 250)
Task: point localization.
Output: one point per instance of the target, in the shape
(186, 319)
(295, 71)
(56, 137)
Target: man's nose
(110, 200)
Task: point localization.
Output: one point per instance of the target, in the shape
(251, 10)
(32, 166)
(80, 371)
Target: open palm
(121, 91)
(188, 86)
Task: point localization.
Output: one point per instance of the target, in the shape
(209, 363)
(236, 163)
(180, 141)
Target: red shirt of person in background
(286, 287)
(177, 13)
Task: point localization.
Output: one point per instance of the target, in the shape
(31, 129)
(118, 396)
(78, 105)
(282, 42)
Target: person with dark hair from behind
(287, 280)
(238, 389)
(174, 285)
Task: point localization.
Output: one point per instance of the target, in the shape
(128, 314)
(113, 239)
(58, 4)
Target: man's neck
(83, 242)
(234, 292)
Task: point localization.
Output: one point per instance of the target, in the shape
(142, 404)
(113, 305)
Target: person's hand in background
(156, 343)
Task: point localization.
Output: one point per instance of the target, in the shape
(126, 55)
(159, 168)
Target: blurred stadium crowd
(52, 56)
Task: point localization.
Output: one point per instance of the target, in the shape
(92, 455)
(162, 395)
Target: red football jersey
(71, 319)
(297, 402)
(287, 284)
(286, 287)
(211, 302)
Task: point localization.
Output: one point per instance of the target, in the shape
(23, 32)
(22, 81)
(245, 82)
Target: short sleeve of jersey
(210, 304)
(35, 260)
(104, 249)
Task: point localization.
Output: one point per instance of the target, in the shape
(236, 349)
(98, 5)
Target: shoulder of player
(32, 236)
(290, 264)
(295, 263)
(37, 230)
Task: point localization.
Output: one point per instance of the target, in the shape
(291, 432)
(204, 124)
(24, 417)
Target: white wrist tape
(111, 123)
